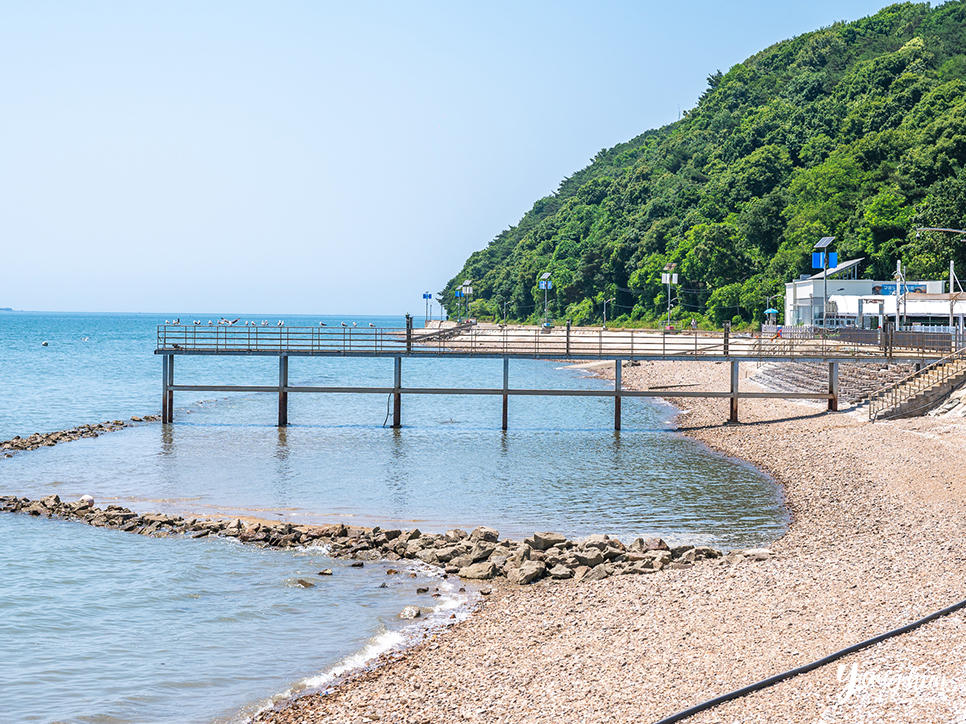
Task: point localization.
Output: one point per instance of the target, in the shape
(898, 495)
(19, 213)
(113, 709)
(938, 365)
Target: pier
(509, 343)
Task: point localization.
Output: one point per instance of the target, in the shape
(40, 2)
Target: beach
(875, 542)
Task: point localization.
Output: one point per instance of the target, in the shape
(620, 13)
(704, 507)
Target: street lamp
(669, 277)
(821, 260)
(426, 297)
(605, 309)
(545, 284)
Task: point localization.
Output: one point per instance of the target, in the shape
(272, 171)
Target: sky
(322, 157)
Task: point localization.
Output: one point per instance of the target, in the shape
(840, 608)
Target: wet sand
(875, 541)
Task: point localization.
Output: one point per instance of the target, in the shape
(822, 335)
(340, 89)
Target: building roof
(844, 266)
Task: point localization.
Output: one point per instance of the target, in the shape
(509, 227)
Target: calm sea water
(559, 467)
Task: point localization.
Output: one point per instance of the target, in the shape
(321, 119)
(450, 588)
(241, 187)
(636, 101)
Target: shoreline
(874, 541)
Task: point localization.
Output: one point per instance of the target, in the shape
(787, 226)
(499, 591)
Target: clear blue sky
(321, 157)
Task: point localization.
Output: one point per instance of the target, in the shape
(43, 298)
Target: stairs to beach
(856, 381)
(921, 391)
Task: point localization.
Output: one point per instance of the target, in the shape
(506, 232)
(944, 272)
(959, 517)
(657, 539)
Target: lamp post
(669, 277)
(426, 297)
(821, 260)
(546, 285)
(605, 309)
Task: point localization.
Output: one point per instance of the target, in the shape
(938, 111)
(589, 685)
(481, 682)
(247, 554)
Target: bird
(167, 322)
(177, 321)
(354, 324)
(372, 325)
(280, 323)
(209, 322)
(321, 324)
(197, 321)
(264, 322)
(344, 324)
(234, 320)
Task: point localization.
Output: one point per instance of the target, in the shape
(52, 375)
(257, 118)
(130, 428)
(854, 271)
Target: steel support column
(506, 387)
(282, 390)
(167, 394)
(396, 392)
(617, 394)
(734, 391)
(833, 386)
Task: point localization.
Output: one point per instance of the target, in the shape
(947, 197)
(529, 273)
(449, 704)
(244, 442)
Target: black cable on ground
(765, 683)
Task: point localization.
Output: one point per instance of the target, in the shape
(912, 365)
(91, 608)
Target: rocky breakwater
(49, 439)
(478, 555)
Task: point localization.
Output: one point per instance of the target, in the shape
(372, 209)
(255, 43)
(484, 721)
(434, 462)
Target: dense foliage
(856, 131)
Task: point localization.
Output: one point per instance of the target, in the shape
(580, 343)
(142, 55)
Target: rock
(304, 584)
(543, 541)
(757, 554)
(325, 572)
(479, 571)
(357, 564)
(679, 551)
(591, 557)
(599, 541)
(480, 552)
(581, 572)
(597, 573)
(707, 552)
(455, 535)
(482, 533)
(529, 572)
(428, 556)
(50, 502)
(410, 612)
(686, 557)
(422, 590)
(560, 571)
(656, 544)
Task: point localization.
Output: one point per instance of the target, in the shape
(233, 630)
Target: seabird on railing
(280, 323)
(372, 325)
(177, 321)
(344, 324)
(354, 324)
(197, 321)
(321, 324)
(264, 322)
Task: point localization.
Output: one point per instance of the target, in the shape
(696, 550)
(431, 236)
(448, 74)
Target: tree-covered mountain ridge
(856, 131)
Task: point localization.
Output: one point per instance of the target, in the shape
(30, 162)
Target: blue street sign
(427, 295)
(459, 293)
(818, 260)
(833, 259)
(545, 284)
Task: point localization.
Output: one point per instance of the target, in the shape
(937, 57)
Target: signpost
(546, 285)
(669, 277)
(426, 297)
(823, 260)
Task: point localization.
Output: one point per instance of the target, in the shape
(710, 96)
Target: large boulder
(482, 533)
(529, 572)
(543, 541)
(479, 571)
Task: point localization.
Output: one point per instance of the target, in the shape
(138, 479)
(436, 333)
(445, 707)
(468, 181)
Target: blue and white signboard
(545, 284)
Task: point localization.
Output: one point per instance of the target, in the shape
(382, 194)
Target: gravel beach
(875, 541)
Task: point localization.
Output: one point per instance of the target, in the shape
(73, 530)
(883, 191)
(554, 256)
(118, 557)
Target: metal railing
(933, 375)
(560, 343)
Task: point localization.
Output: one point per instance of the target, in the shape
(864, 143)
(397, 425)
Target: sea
(103, 626)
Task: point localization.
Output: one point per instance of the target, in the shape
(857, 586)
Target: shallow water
(559, 467)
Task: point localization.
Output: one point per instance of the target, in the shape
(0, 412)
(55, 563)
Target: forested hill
(856, 131)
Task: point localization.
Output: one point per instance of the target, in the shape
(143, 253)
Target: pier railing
(469, 341)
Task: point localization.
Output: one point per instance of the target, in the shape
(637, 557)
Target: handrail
(891, 397)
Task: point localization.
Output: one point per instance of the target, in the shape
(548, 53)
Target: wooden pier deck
(507, 343)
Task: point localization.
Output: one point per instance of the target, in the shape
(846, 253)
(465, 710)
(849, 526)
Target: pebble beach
(874, 542)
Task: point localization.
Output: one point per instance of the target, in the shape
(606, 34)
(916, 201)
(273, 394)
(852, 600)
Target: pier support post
(167, 394)
(617, 394)
(733, 417)
(833, 386)
(506, 388)
(396, 392)
(282, 390)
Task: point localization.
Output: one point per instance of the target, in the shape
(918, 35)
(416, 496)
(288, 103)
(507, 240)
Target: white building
(868, 304)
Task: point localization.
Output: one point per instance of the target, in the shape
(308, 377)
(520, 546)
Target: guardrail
(583, 342)
(932, 375)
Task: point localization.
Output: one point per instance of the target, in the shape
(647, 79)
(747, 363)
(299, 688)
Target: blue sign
(545, 284)
(833, 259)
(459, 293)
(818, 260)
(427, 295)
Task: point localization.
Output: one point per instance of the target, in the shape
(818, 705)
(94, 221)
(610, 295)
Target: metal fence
(469, 340)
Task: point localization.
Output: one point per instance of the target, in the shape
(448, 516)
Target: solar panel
(824, 242)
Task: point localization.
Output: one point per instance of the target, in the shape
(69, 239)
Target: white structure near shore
(868, 304)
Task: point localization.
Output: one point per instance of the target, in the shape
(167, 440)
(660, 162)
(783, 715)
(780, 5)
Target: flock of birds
(264, 323)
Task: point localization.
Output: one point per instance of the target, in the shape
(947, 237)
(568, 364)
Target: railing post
(282, 390)
(409, 335)
(397, 393)
(167, 394)
(733, 417)
(833, 386)
(617, 394)
(506, 388)
(727, 333)
(568, 341)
